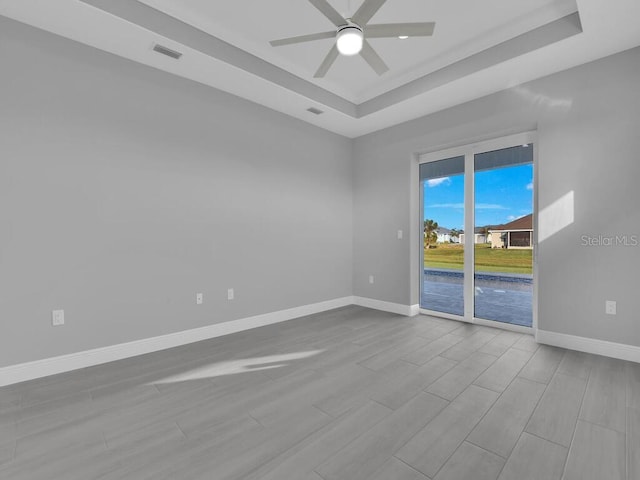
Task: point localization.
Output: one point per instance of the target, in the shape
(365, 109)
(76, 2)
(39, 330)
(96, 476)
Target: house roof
(522, 223)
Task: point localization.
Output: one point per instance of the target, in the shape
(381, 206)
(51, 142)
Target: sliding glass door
(478, 238)
(503, 250)
(442, 184)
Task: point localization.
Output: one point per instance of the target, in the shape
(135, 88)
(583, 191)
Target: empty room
(319, 240)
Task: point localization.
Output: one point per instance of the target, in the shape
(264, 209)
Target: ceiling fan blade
(367, 10)
(373, 59)
(302, 38)
(329, 12)
(385, 30)
(327, 62)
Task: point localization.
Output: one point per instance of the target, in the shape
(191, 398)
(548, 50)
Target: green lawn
(486, 259)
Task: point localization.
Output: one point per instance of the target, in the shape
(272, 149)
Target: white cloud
(490, 206)
(434, 182)
(511, 218)
(479, 206)
(446, 205)
(529, 186)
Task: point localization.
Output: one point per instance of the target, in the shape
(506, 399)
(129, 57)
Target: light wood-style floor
(348, 394)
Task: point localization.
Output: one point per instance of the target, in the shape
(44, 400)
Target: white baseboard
(65, 363)
(590, 345)
(407, 310)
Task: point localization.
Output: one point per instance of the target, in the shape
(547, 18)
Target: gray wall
(124, 191)
(588, 119)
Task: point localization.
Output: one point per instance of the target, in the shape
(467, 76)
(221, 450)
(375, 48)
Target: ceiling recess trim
(171, 28)
(180, 32)
(548, 34)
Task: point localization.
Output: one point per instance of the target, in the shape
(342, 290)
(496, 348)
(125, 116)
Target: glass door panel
(442, 275)
(503, 235)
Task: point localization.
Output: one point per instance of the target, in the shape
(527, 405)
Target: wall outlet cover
(57, 318)
(610, 307)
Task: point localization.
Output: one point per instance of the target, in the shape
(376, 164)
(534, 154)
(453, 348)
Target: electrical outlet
(57, 318)
(230, 294)
(610, 307)
(371, 279)
(199, 298)
(400, 234)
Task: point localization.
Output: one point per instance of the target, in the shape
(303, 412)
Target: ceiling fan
(351, 36)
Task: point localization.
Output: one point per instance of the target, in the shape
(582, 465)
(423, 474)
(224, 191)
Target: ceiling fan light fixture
(349, 39)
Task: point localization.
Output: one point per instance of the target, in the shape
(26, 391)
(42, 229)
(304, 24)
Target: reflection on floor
(350, 394)
(498, 296)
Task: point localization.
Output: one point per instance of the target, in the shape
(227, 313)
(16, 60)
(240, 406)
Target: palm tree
(430, 232)
(455, 233)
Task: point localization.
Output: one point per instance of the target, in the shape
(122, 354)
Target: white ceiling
(477, 48)
(458, 35)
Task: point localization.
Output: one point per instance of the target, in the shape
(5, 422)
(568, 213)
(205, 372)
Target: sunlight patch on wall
(537, 99)
(555, 217)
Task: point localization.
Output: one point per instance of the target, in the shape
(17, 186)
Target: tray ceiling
(477, 48)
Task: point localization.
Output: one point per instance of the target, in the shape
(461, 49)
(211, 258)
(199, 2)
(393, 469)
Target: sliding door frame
(469, 151)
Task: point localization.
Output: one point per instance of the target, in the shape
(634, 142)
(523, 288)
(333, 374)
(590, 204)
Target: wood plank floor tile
(397, 470)
(534, 458)
(364, 456)
(400, 389)
(503, 424)
(470, 461)
(468, 345)
(633, 442)
(430, 448)
(382, 359)
(555, 417)
(543, 364)
(433, 349)
(326, 442)
(456, 380)
(633, 385)
(605, 399)
(502, 372)
(596, 453)
(526, 342)
(7, 450)
(500, 343)
(576, 364)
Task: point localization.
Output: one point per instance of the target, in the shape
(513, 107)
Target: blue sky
(502, 195)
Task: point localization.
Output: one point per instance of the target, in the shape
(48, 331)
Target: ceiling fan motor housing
(349, 39)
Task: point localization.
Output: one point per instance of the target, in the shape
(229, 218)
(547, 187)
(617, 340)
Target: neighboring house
(444, 235)
(514, 235)
(479, 236)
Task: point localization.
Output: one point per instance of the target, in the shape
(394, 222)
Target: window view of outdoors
(443, 279)
(502, 238)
